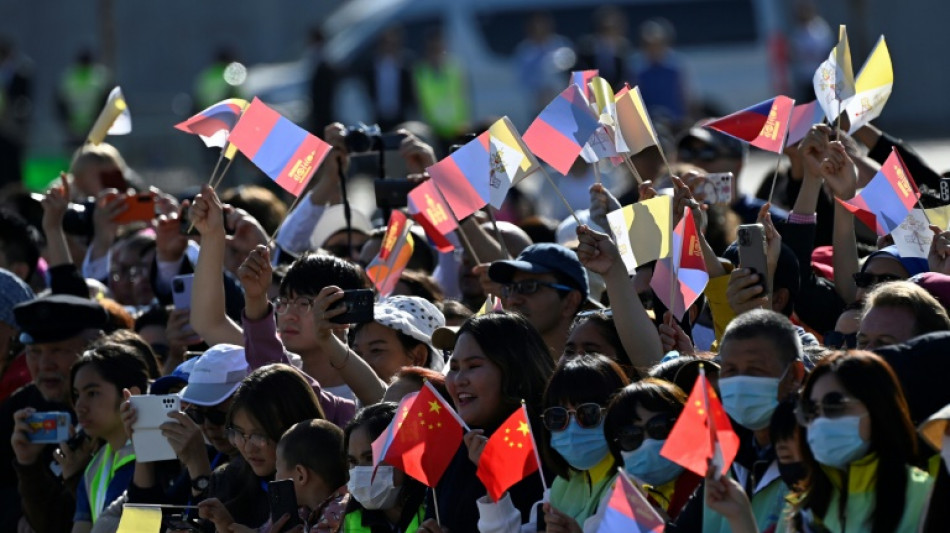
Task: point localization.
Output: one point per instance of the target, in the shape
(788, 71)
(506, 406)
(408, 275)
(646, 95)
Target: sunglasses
(587, 415)
(213, 416)
(866, 280)
(833, 405)
(836, 339)
(658, 428)
(530, 286)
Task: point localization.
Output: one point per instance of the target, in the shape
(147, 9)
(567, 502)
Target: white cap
(415, 317)
(333, 221)
(216, 375)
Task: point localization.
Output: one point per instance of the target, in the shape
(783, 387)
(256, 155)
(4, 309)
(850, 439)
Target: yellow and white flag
(634, 124)
(643, 231)
(872, 87)
(114, 119)
(834, 79)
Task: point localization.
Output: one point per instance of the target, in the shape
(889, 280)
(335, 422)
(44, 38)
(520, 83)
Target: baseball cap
(913, 265)
(216, 374)
(178, 378)
(333, 221)
(415, 317)
(542, 258)
(13, 291)
(57, 317)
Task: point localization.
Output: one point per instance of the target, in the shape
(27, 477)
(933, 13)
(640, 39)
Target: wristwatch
(200, 483)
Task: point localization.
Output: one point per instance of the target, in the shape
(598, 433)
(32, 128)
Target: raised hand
(256, 273)
(672, 336)
(938, 259)
(597, 251)
(601, 203)
(416, 152)
(745, 291)
(55, 204)
(839, 171)
(206, 212)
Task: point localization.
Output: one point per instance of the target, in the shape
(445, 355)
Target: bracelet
(345, 360)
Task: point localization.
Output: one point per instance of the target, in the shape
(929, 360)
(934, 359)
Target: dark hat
(57, 317)
(542, 258)
(724, 145)
(12, 292)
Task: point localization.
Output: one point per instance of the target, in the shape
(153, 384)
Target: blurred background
(373, 61)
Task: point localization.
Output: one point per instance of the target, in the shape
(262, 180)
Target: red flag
(887, 199)
(763, 125)
(688, 270)
(509, 455)
(628, 510)
(394, 254)
(427, 208)
(702, 432)
(426, 437)
(463, 178)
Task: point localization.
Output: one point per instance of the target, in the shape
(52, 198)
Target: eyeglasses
(588, 415)
(833, 405)
(836, 339)
(531, 286)
(129, 273)
(657, 428)
(303, 304)
(866, 280)
(239, 439)
(213, 416)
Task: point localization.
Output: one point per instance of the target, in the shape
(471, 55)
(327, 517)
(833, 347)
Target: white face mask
(372, 493)
(945, 452)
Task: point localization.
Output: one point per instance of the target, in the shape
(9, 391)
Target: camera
(361, 139)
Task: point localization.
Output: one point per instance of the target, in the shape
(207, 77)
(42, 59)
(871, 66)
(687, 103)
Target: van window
(697, 23)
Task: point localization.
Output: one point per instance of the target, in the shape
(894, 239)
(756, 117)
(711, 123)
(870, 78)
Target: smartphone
(77, 440)
(752, 252)
(945, 190)
(181, 290)
(392, 193)
(140, 208)
(719, 188)
(359, 307)
(283, 500)
(48, 428)
(147, 439)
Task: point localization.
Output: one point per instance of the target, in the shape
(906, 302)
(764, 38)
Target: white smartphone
(147, 439)
(181, 290)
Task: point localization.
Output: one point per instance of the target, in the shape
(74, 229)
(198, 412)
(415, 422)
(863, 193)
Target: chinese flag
(702, 432)
(426, 437)
(509, 455)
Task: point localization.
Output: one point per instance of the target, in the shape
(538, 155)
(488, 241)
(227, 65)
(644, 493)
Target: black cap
(543, 258)
(57, 317)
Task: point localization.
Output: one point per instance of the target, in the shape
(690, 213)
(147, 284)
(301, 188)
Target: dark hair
(309, 274)
(589, 378)
(422, 285)
(454, 309)
(682, 371)
(117, 363)
(604, 322)
(155, 315)
(650, 393)
(763, 324)
(276, 397)
(512, 344)
(784, 425)
(131, 339)
(375, 419)
(260, 203)
(317, 445)
(19, 241)
(872, 381)
(421, 374)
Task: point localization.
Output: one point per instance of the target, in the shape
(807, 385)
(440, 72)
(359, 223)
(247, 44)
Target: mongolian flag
(581, 78)
(562, 129)
(287, 153)
(424, 438)
(214, 124)
(509, 455)
(628, 511)
(394, 254)
(114, 119)
(888, 197)
(686, 269)
(426, 207)
(762, 125)
(804, 116)
(462, 177)
(702, 432)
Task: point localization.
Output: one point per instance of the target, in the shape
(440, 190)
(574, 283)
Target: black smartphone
(182, 523)
(359, 307)
(77, 440)
(283, 500)
(945, 190)
(539, 519)
(392, 193)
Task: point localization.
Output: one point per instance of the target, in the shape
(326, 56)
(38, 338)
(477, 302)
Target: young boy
(311, 454)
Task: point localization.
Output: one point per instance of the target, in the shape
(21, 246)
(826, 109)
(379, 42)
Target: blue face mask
(646, 464)
(582, 448)
(837, 442)
(750, 401)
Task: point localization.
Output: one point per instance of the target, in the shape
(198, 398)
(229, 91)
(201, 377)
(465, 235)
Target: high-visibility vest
(443, 98)
(353, 522)
(82, 89)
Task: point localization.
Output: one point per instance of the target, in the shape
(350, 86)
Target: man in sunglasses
(548, 285)
(761, 357)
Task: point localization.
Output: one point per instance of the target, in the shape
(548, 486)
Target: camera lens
(357, 141)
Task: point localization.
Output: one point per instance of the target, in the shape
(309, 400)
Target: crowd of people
(827, 363)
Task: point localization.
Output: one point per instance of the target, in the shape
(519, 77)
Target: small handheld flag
(628, 511)
(634, 124)
(762, 125)
(872, 88)
(114, 119)
(685, 269)
(463, 178)
(214, 124)
(394, 254)
(804, 116)
(284, 151)
(426, 207)
(508, 456)
(562, 129)
(834, 78)
(887, 199)
(642, 231)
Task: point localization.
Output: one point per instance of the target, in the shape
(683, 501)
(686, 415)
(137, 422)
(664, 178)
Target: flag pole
(778, 160)
(596, 167)
(270, 240)
(159, 506)
(633, 168)
(458, 224)
(211, 181)
(494, 223)
(560, 194)
(674, 267)
(435, 503)
(904, 167)
(537, 457)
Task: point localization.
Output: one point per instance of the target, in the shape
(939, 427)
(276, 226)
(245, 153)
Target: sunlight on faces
(261, 459)
(360, 453)
(586, 338)
(379, 346)
(544, 309)
(756, 357)
(829, 383)
(885, 325)
(49, 364)
(882, 265)
(296, 328)
(97, 403)
(474, 383)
